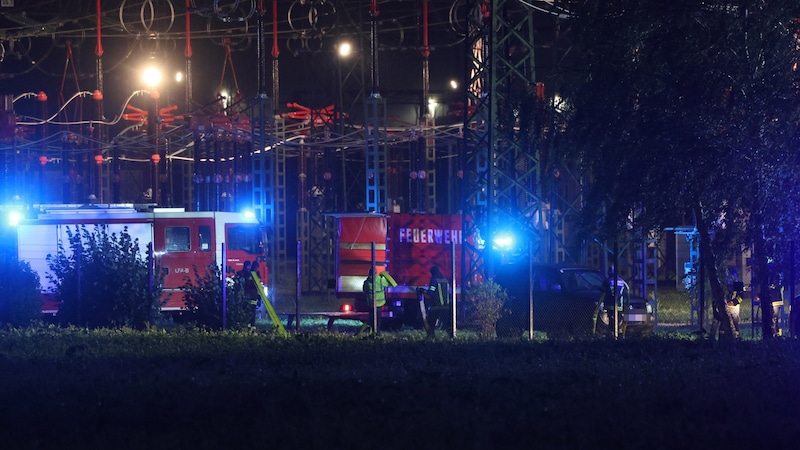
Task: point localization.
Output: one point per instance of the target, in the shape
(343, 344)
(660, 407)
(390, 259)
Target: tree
(103, 279)
(204, 300)
(20, 302)
(488, 299)
(688, 111)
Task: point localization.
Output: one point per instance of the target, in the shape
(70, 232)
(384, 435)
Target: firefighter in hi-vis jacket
(375, 291)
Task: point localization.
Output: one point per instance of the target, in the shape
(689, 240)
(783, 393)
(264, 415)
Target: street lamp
(345, 49)
(151, 76)
(432, 104)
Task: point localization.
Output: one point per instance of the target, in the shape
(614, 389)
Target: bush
(204, 300)
(104, 280)
(20, 302)
(488, 299)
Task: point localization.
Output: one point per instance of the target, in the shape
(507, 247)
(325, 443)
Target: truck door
(245, 242)
(182, 245)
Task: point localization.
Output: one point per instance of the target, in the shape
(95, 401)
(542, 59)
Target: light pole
(344, 51)
(152, 78)
(163, 170)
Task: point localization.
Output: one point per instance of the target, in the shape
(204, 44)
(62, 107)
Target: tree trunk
(762, 274)
(722, 321)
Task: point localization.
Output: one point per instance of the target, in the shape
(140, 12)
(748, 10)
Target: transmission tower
(501, 168)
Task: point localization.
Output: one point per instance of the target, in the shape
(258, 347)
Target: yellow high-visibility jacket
(384, 280)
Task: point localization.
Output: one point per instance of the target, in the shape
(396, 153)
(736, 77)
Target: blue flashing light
(249, 214)
(504, 241)
(14, 218)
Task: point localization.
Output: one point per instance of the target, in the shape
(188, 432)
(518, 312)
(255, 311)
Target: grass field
(674, 312)
(158, 389)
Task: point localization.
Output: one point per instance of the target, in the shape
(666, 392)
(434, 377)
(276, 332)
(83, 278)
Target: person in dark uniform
(245, 272)
(435, 302)
(250, 288)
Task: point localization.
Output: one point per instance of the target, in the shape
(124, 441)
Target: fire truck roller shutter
(354, 257)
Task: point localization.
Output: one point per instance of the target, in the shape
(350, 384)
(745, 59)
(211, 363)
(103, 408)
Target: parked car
(638, 318)
(567, 301)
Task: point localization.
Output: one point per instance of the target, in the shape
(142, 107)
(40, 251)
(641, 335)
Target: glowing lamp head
(249, 214)
(151, 77)
(345, 49)
(14, 218)
(346, 308)
(503, 241)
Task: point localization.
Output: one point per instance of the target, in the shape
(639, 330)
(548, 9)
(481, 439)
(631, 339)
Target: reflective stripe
(351, 283)
(360, 246)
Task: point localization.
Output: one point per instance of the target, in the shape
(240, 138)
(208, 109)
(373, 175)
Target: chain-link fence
(679, 309)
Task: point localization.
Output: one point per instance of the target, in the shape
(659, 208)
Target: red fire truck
(181, 241)
(405, 245)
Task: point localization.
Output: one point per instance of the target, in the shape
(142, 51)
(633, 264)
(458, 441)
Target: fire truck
(180, 241)
(406, 246)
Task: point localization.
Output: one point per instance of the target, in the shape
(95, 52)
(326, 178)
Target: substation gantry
(353, 156)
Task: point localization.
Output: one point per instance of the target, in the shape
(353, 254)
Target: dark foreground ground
(65, 389)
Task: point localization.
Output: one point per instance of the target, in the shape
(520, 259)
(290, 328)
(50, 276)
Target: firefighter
(250, 288)
(616, 291)
(258, 303)
(375, 291)
(732, 306)
(730, 314)
(435, 302)
(244, 274)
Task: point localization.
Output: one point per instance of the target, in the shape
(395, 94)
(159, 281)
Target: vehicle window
(177, 239)
(539, 282)
(584, 280)
(546, 279)
(205, 238)
(245, 238)
(570, 282)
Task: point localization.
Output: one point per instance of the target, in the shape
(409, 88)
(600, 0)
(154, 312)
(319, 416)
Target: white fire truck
(180, 240)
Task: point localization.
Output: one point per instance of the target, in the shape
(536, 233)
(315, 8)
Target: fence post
(298, 294)
(453, 286)
(225, 288)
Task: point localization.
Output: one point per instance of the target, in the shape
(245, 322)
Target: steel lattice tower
(501, 171)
